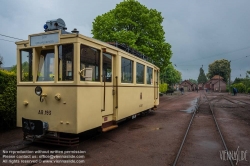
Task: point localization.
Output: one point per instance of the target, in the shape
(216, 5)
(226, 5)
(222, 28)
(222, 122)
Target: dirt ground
(154, 139)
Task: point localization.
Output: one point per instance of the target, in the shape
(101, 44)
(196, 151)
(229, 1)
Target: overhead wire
(218, 54)
(239, 58)
(7, 40)
(230, 60)
(10, 37)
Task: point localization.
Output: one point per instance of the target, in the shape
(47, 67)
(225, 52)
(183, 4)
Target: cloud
(199, 32)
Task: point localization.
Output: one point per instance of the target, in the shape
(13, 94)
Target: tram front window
(65, 62)
(26, 65)
(46, 66)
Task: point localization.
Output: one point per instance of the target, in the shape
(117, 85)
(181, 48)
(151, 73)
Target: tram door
(156, 84)
(108, 82)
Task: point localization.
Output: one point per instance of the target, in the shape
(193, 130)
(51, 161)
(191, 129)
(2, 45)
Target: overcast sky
(199, 31)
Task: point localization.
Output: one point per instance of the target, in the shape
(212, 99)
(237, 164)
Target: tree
(193, 81)
(13, 68)
(1, 61)
(135, 25)
(202, 77)
(219, 67)
(247, 74)
(238, 80)
(171, 75)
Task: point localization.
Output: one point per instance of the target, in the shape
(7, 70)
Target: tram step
(109, 128)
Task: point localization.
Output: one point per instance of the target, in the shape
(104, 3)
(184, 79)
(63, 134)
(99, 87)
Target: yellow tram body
(74, 83)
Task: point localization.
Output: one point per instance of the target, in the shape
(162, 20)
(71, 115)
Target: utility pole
(230, 77)
(219, 82)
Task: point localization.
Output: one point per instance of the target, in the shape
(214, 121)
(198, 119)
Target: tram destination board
(44, 39)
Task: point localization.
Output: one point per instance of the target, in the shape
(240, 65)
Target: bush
(248, 90)
(241, 88)
(7, 99)
(163, 88)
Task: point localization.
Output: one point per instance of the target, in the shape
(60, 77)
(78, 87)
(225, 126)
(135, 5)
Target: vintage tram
(70, 83)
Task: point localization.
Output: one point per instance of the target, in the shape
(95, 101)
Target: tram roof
(109, 44)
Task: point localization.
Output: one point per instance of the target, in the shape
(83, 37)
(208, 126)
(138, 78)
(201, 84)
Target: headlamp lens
(38, 90)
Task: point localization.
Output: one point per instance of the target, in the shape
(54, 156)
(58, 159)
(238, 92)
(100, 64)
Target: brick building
(187, 85)
(216, 84)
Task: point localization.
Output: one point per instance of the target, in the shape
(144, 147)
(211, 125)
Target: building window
(127, 71)
(139, 73)
(65, 62)
(26, 65)
(90, 63)
(149, 75)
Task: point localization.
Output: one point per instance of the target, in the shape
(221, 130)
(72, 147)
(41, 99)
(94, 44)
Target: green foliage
(13, 68)
(244, 81)
(163, 88)
(1, 61)
(238, 80)
(202, 77)
(193, 81)
(247, 74)
(171, 75)
(219, 67)
(25, 67)
(7, 99)
(241, 88)
(135, 25)
(25, 71)
(248, 90)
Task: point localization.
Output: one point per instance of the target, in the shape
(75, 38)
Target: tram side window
(127, 71)
(90, 61)
(65, 62)
(107, 67)
(46, 66)
(26, 65)
(139, 73)
(157, 81)
(149, 75)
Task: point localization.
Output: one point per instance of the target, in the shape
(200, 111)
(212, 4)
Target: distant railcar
(70, 83)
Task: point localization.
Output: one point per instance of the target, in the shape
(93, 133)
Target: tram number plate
(133, 116)
(44, 112)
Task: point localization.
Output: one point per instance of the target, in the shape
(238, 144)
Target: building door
(185, 88)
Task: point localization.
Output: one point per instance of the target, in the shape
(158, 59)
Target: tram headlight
(38, 91)
(45, 26)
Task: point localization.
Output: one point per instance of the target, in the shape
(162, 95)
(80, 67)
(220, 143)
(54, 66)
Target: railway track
(210, 133)
(236, 101)
(170, 99)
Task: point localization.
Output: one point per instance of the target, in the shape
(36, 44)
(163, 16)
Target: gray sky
(200, 31)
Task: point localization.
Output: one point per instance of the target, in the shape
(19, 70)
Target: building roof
(187, 81)
(214, 81)
(217, 77)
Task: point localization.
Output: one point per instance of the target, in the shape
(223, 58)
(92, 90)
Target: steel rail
(231, 100)
(184, 139)
(224, 143)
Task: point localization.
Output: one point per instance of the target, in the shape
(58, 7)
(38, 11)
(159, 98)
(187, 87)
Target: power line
(232, 61)
(220, 54)
(239, 58)
(10, 37)
(7, 40)
(188, 65)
